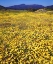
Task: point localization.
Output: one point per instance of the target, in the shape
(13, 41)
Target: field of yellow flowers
(26, 37)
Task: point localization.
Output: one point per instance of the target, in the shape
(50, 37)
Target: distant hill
(25, 7)
(50, 7)
(2, 7)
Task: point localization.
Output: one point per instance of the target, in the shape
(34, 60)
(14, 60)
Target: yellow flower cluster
(26, 37)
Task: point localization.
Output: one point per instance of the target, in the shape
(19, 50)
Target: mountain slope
(23, 6)
(50, 7)
(2, 7)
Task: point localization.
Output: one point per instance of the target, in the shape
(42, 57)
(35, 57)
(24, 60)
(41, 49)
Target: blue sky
(17, 2)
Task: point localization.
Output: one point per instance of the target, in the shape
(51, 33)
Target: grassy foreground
(26, 37)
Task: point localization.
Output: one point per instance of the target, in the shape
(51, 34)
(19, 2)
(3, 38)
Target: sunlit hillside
(26, 37)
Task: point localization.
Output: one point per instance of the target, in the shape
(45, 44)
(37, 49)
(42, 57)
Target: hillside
(2, 7)
(50, 7)
(25, 7)
(26, 37)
